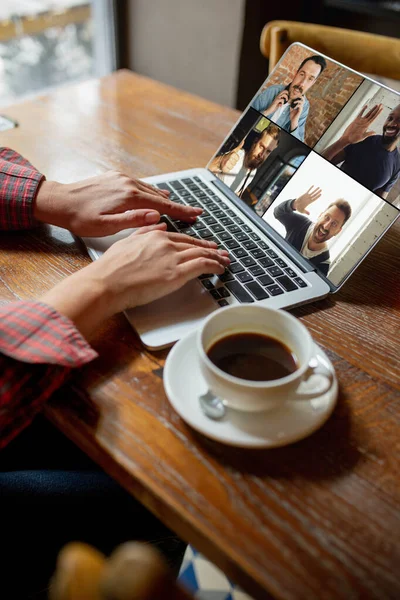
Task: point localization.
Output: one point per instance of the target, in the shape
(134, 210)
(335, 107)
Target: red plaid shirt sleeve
(38, 349)
(19, 183)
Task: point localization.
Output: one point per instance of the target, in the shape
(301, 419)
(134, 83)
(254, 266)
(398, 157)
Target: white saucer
(288, 423)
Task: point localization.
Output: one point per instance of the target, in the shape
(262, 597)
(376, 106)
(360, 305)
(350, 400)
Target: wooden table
(316, 520)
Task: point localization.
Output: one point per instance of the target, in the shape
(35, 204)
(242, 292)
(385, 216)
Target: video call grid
(252, 116)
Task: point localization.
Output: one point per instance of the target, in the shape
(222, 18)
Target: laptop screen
(316, 156)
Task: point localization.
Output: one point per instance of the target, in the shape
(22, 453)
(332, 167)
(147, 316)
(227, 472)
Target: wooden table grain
(319, 519)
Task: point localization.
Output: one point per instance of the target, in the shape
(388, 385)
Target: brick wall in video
(304, 99)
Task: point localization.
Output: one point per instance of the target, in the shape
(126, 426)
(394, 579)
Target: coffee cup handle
(317, 366)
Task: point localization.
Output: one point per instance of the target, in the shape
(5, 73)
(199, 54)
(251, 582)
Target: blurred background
(208, 48)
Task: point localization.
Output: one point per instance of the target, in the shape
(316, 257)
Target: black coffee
(253, 356)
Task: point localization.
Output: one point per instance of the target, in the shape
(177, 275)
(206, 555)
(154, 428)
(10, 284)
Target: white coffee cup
(247, 395)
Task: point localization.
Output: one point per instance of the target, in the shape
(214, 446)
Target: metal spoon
(212, 406)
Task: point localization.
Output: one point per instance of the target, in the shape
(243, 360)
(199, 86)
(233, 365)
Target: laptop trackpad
(164, 321)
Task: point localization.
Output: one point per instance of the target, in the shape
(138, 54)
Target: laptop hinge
(293, 254)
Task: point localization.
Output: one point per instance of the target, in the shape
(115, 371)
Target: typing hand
(106, 204)
(152, 262)
(302, 202)
(141, 268)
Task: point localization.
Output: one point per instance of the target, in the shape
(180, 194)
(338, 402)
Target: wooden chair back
(364, 52)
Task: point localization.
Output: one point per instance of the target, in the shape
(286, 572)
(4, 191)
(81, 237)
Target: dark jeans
(51, 493)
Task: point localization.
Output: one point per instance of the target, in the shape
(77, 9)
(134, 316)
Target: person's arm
(216, 164)
(98, 206)
(41, 342)
(19, 184)
(138, 269)
(324, 267)
(38, 348)
(286, 215)
(225, 163)
(268, 101)
(336, 152)
(260, 102)
(298, 118)
(288, 212)
(383, 192)
(322, 262)
(357, 131)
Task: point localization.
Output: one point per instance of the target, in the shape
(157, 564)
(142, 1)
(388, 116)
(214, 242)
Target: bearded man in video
(311, 238)
(287, 105)
(238, 167)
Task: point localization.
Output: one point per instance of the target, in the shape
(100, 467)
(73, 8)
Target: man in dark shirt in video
(310, 238)
(373, 160)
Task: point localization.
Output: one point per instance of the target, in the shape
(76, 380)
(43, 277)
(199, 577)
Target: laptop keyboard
(256, 271)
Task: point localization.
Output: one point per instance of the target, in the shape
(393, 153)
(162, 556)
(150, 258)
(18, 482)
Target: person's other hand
(230, 160)
(226, 162)
(302, 202)
(296, 108)
(281, 99)
(358, 130)
(106, 204)
(141, 268)
(152, 262)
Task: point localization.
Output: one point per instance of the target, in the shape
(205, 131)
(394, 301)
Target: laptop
(299, 192)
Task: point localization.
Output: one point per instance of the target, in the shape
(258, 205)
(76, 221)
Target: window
(278, 176)
(48, 43)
